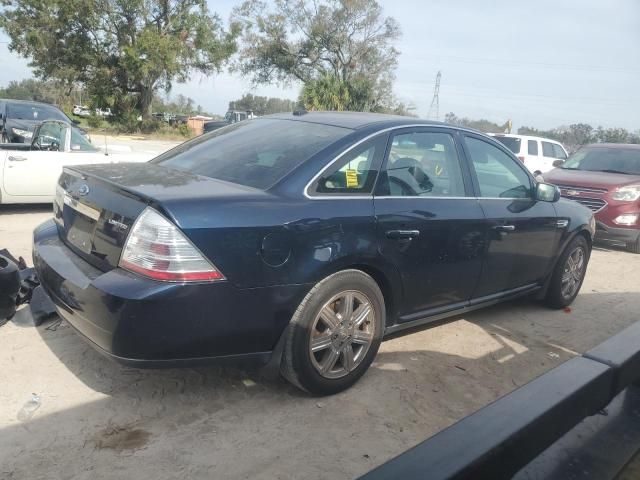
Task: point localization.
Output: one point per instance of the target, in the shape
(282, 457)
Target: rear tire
(568, 274)
(634, 247)
(334, 334)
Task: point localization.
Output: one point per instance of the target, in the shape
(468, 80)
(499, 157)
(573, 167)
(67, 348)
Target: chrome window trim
(368, 137)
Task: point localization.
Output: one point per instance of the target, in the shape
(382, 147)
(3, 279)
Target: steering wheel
(54, 146)
(407, 189)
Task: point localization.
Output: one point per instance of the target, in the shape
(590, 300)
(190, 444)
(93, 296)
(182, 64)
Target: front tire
(334, 334)
(568, 274)
(634, 247)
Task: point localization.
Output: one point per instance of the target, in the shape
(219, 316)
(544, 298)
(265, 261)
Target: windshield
(79, 143)
(257, 153)
(511, 143)
(32, 111)
(600, 159)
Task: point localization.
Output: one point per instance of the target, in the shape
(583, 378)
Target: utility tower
(434, 109)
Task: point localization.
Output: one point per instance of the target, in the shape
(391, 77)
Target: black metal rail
(500, 439)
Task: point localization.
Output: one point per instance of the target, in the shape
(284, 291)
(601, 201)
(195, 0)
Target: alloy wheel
(573, 272)
(341, 334)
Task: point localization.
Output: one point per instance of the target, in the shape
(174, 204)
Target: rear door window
(547, 150)
(533, 147)
(558, 152)
(257, 153)
(512, 143)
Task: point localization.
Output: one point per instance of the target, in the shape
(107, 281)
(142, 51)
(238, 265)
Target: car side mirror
(545, 192)
(558, 163)
(76, 122)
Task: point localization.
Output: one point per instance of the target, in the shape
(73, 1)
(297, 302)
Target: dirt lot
(101, 420)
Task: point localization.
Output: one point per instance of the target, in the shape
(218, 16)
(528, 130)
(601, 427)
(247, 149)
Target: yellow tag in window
(352, 178)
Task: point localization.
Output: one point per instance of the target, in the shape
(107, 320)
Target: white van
(537, 154)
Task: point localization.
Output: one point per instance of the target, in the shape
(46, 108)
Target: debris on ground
(553, 355)
(29, 408)
(249, 383)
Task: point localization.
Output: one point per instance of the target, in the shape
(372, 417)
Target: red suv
(606, 178)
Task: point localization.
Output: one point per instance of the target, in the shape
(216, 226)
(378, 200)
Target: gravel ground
(101, 420)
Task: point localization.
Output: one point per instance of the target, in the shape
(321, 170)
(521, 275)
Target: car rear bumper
(148, 323)
(606, 233)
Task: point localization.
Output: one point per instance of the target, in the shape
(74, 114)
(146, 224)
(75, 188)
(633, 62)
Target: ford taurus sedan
(302, 240)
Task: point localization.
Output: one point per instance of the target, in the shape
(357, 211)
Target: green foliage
(51, 92)
(342, 49)
(579, 134)
(179, 105)
(118, 49)
(326, 93)
(94, 121)
(263, 105)
(482, 125)
(184, 130)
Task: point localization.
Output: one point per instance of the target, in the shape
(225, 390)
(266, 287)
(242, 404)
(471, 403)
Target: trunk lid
(97, 205)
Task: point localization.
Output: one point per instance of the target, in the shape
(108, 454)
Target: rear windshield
(512, 143)
(602, 159)
(256, 153)
(34, 112)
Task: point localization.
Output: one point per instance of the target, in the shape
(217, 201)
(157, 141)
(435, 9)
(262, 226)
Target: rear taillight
(521, 158)
(157, 249)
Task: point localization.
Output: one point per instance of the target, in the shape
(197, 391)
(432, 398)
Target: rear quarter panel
(280, 241)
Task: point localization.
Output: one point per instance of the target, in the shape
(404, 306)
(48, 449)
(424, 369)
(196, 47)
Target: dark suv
(606, 178)
(18, 119)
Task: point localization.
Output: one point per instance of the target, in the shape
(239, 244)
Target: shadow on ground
(230, 423)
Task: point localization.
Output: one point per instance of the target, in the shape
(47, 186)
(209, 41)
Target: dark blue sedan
(303, 239)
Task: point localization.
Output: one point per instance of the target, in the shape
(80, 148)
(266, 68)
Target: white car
(81, 111)
(538, 154)
(29, 172)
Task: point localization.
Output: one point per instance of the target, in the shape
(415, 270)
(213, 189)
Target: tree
(263, 105)
(334, 46)
(37, 90)
(612, 135)
(121, 50)
(482, 124)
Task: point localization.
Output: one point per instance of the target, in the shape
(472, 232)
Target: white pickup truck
(29, 172)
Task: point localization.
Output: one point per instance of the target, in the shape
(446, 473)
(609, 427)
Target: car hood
(589, 179)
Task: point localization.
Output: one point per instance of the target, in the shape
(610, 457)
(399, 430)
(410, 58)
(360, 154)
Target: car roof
(27, 102)
(354, 120)
(525, 137)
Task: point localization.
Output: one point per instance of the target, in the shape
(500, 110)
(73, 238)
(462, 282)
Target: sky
(541, 63)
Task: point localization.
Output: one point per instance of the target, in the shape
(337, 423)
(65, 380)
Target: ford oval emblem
(83, 190)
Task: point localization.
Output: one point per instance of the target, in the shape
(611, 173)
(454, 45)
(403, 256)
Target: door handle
(504, 228)
(16, 159)
(402, 234)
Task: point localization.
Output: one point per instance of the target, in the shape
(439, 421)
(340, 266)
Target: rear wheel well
(383, 283)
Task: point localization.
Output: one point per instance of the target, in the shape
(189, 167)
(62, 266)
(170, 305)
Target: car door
(427, 223)
(522, 232)
(35, 172)
(548, 156)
